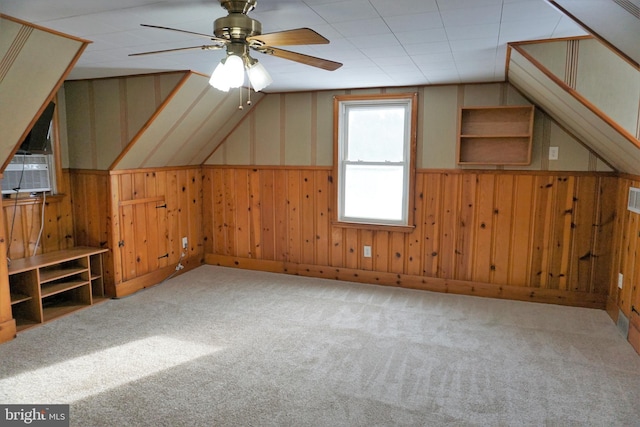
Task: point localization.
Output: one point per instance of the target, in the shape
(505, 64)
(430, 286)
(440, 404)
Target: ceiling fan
(240, 34)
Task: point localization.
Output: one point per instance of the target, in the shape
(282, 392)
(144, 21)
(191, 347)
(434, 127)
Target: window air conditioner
(27, 174)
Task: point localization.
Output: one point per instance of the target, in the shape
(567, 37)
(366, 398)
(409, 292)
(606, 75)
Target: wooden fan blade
(205, 47)
(289, 38)
(208, 36)
(325, 64)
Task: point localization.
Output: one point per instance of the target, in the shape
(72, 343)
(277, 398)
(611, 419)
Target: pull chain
(240, 107)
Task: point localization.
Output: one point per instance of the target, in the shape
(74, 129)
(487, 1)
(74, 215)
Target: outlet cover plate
(367, 252)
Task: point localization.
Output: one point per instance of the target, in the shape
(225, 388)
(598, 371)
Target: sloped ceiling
(612, 21)
(187, 127)
(29, 76)
(591, 91)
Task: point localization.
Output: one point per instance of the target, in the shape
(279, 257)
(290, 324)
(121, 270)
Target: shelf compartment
(51, 274)
(60, 309)
(51, 289)
(512, 151)
(495, 135)
(500, 121)
(18, 298)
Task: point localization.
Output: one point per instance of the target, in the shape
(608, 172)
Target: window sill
(28, 200)
(375, 227)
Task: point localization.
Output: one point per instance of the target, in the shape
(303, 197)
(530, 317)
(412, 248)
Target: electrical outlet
(553, 153)
(620, 280)
(185, 243)
(367, 252)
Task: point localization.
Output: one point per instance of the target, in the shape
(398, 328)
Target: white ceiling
(381, 43)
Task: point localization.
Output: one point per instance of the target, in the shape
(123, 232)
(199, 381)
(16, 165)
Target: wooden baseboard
(462, 287)
(634, 331)
(612, 308)
(134, 285)
(7, 330)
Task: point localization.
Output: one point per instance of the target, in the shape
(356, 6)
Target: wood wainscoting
(143, 216)
(541, 236)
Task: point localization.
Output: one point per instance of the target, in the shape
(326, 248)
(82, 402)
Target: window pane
(376, 133)
(373, 192)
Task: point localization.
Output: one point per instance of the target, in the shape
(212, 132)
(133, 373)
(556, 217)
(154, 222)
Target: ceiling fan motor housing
(236, 26)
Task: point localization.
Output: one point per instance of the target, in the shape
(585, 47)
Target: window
(374, 158)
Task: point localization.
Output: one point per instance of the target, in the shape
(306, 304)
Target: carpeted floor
(227, 347)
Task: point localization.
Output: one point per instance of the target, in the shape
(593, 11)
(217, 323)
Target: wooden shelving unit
(50, 285)
(495, 135)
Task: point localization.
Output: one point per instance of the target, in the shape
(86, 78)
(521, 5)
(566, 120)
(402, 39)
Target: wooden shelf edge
(51, 275)
(50, 290)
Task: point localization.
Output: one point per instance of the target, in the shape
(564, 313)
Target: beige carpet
(227, 347)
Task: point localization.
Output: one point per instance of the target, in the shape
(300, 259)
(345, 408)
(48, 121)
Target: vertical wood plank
(415, 238)
(351, 245)
(520, 260)
(503, 218)
(268, 213)
(255, 220)
(483, 247)
(308, 217)
(322, 217)
(432, 224)
(466, 227)
(280, 189)
(450, 219)
(381, 251)
(230, 207)
(397, 252)
(243, 225)
(604, 246)
(580, 271)
(162, 241)
(542, 229)
(294, 230)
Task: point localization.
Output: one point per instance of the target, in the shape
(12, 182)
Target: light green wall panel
(79, 125)
(238, 145)
(324, 132)
(609, 83)
(268, 130)
(552, 55)
(297, 134)
(108, 143)
(437, 144)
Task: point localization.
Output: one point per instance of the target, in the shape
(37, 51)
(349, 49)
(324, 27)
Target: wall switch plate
(185, 243)
(553, 153)
(620, 280)
(367, 252)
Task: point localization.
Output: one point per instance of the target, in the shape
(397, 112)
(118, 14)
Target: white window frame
(342, 104)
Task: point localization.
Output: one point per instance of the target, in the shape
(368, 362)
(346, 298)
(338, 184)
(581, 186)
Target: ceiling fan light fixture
(258, 75)
(228, 74)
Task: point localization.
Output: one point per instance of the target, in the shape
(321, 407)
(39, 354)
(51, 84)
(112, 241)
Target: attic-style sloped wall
(103, 115)
(297, 129)
(611, 20)
(33, 64)
(588, 89)
(151, 121)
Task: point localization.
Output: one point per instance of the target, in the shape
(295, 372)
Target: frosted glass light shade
(228, 74)
(218, 79)
(258, 76)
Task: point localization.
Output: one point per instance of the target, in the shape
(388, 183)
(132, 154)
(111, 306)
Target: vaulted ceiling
(381, 43)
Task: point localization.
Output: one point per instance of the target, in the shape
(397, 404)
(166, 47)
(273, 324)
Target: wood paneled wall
(23, 220)
(143, 216)
(530, 235)
(627, 251)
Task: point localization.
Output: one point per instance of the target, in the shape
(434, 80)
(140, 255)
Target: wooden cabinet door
(143, 240)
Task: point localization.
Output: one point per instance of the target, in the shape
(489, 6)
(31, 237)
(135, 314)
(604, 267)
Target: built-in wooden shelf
(499, 135)
(51, 285)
